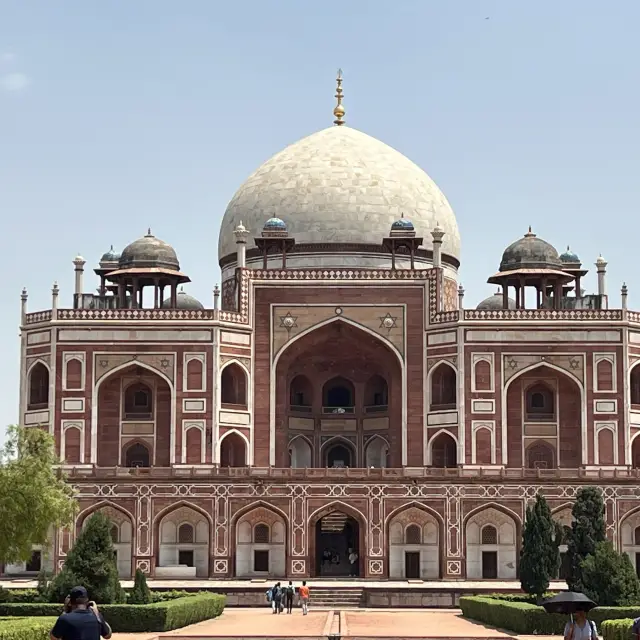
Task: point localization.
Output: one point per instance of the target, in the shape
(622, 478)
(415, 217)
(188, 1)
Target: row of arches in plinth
(414, 547)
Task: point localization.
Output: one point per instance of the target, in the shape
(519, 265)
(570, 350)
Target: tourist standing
(277, 598)
(580, 628)
(304, 597)
(288, 594)
(81, 619)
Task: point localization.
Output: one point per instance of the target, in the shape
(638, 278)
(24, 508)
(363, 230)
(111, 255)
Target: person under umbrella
(577, 605)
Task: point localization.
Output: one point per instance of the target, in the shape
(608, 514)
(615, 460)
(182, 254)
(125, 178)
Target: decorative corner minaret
(241, 233)
(601, 267)
(460, 297)
(54, 301)
(78, 263)
(624, 292)
(437, 234)
(216, 298)
(23, 306)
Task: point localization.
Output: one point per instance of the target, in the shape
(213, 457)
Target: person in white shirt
(581, 628)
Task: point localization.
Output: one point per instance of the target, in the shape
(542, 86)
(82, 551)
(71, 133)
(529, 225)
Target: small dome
(570, 257)
(184, 301)
(494, 303)
(149, 252)
(402, 225)
(274, 224)
(530, 252)
(110, 256)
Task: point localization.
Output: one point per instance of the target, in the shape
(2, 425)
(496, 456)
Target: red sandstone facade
(155, 411)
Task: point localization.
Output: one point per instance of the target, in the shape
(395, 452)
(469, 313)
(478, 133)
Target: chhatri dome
(340, 186)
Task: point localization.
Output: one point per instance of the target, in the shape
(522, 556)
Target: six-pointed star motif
(388, 322)
(288, 321)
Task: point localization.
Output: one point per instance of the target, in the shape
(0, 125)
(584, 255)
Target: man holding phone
(81, 619)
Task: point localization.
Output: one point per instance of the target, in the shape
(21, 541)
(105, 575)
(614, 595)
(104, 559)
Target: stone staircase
(333, 522)
(337, 597)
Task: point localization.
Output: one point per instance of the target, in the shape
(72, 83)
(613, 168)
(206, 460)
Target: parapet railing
(346, 473)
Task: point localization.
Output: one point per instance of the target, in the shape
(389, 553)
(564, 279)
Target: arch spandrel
(162, 363)
(513, 364)
(385, 321)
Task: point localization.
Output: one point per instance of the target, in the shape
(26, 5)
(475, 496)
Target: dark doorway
(337, 543)
(339, 455)
(185, 558)
(261, 561)
(34, 564)
(565, 565)
(412, 565)
(490, 565)
(638, 564)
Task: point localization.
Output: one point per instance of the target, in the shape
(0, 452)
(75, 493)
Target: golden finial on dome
(338, 112)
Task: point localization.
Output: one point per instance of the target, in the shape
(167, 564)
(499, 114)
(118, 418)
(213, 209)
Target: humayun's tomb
(337, 398)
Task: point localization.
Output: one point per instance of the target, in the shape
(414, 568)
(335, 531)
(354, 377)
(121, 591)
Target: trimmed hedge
(127, 618)
(26, 628)
(529, 619)
(617, 629)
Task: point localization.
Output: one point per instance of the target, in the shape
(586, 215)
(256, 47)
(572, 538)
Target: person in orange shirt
(304, 597)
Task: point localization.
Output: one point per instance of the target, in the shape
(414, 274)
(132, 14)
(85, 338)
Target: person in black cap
(81, 619)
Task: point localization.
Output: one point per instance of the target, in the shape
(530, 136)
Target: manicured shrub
(140, 594)
(26, 628)
(127, 618)
(616, 629)
(609, 577)
(529, 619)
(90, 563)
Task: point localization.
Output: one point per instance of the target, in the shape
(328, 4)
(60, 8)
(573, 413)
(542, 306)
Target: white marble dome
(340, 185)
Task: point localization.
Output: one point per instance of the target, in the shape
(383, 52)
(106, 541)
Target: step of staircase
(350, 597)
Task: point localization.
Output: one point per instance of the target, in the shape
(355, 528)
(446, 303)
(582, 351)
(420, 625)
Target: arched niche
(183, 548)
(137, 454)
(134, 393)
(634, 386)
(376, 453)
(635, 452)
(38, 387)
(414, 545)
(604, 375)
(338, 395)
(300, 453)
(540, 403)
(72, 445)
(491, 542)
(301, 394)
(73, 374)
(195, 374)
(444, 388)
(376, 394)
(233, 387)
(193, 445)
(233, 450)
(540, 455)
(260, 544)
(339, 453)
(444, 451)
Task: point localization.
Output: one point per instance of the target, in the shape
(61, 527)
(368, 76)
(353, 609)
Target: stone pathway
(371, 623)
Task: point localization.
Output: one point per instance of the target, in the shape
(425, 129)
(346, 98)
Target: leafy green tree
(33, 496)
(588, 529)
(609, 577)
(92, 564)
(140, 594)
(539, 558)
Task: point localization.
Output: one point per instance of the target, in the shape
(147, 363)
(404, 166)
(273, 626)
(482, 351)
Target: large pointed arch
(94, 508)
(433, 438)
(275, 357)
(94, 405)
(249, 456)
(583, 406)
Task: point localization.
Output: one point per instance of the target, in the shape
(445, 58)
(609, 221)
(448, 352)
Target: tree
(587, 530)
(539, 559)
(33, 497)
(609, 577)
(140, 594)
(92, 564)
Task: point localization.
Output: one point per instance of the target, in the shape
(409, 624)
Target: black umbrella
(568, 602)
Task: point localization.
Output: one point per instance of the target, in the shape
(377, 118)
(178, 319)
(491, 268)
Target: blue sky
(116, 116)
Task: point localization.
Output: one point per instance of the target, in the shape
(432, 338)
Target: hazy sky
(120, 115)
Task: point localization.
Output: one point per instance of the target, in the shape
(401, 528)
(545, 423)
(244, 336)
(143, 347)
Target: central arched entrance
(337, 540)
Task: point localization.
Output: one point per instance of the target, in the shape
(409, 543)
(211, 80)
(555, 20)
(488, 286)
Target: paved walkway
(389, 623)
